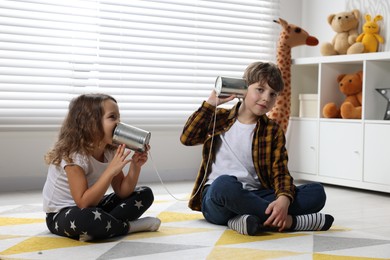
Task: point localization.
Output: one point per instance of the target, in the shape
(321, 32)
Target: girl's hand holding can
(139, 158)
(119, 160)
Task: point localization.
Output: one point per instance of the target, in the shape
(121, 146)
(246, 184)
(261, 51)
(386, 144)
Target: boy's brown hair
(264, 72)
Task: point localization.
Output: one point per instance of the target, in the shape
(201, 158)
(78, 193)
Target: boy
(247, 184)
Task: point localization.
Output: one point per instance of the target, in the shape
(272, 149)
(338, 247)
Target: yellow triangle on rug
(168, 216)
(8, 221)
(34, 244)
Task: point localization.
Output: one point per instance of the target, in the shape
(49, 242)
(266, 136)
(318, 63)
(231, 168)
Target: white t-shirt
(56, 191)
(234, 156)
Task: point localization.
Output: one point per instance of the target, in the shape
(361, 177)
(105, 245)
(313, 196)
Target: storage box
(308, 105)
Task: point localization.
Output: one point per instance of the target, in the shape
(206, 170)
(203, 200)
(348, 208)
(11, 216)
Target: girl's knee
(146, 194)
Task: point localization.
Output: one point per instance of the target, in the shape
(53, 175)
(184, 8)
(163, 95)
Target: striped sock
(245, 224)
(312, 222)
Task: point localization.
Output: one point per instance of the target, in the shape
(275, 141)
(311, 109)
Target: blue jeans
(225, 198)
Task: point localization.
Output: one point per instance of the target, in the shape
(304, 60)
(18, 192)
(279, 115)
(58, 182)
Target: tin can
(226, 86)
(134, 138)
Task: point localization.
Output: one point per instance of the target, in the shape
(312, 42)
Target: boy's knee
(319, 194)
(320, 191)
(225, 180)
(225, 186)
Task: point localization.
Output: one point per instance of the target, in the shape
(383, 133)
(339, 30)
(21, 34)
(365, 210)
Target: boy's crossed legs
(226, 202)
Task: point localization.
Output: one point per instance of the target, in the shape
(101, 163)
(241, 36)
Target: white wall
(21, 153)
(22, 166)
(312, 16)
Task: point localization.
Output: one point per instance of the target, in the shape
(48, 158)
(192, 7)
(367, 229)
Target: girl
(82, 166)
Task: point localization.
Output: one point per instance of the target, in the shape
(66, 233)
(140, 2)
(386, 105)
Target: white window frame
(159, 59)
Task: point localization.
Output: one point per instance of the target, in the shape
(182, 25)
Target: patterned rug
(184, 234)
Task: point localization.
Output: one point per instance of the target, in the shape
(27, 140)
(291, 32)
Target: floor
(361, 231)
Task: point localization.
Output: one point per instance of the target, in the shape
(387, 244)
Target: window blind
(158, 58)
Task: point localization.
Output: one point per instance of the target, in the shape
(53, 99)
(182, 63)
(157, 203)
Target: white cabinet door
(302, 146)
(341, 150)
(377, 153)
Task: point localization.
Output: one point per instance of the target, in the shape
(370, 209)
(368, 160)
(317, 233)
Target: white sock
(144, 224)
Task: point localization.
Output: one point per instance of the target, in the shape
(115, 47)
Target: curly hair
(264, 72)
(82, 129)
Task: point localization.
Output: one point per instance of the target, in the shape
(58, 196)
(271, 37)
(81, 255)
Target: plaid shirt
(268, 149)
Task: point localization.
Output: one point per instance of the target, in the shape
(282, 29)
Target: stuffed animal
(290, 36)
(345, 24)
(351, 108)
(370, 37)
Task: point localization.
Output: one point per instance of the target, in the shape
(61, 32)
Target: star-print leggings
(108, 219)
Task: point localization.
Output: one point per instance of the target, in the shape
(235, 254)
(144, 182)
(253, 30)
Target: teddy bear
(345, 24)
(370, 37)
(351, 108)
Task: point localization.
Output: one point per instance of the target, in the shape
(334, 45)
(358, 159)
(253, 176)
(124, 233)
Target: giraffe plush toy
(290, 36)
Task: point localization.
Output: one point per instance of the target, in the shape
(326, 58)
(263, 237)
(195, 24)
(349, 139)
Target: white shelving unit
(346, 152)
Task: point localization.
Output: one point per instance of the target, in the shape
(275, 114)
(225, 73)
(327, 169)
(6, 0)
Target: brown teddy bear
(351, 108)
(345, 24)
